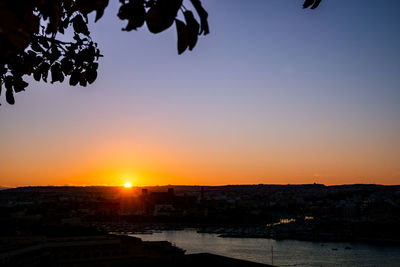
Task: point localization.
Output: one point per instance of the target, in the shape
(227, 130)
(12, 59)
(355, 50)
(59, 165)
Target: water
(285, 252)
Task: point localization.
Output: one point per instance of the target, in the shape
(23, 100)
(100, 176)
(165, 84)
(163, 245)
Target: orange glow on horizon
(145, 162)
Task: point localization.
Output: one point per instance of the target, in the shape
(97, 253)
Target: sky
(275, 94)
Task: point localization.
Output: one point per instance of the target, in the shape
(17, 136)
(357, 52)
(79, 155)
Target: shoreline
(254, 231)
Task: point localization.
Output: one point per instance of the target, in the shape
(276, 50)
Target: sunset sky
(275, 94)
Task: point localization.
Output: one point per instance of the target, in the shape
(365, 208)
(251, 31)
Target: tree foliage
(30, 31)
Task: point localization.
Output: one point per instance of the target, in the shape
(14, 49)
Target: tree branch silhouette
(29, 31)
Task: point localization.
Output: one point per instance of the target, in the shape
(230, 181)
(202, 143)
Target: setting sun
(128, 185)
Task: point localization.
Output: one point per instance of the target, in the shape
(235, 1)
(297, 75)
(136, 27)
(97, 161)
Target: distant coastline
(161, 187)
(311, 212)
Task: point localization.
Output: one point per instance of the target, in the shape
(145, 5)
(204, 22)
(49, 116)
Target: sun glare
(128, 185)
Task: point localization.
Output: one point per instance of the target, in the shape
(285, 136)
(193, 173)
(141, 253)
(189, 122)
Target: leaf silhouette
(75, 78)
(36, 47)
(67, 66)
(134, 12)
(203, 16)
(37, 74)
(308, 3)
(19, 85)
(100, 9)
(192, 27)
(56, 73)
(183, 38)
(91, 75)
(79, 25)
(83, 81)
(10, 97)
(311, 3)
(316, 4)
(162, 14)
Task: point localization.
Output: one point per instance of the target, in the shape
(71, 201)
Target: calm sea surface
(285, 253)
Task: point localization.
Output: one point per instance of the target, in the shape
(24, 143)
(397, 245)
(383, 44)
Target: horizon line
(193, 185)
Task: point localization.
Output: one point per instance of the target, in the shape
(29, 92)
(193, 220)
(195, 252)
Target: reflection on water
(285, 252)
(284, 221)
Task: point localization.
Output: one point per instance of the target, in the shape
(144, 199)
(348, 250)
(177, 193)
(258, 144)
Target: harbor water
(281, 252)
